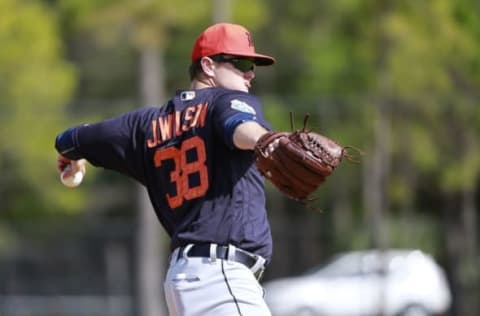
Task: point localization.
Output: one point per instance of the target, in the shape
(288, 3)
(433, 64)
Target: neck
(202, 83)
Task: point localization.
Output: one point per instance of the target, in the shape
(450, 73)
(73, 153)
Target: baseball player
(195, 156)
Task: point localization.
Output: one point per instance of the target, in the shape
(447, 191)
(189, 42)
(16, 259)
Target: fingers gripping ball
(71, 178)
(297, 163)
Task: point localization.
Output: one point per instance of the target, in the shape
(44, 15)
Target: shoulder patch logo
(187, 95)
(242, 107)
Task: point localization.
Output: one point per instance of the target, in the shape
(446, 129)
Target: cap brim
(260, 60)
(264, 60)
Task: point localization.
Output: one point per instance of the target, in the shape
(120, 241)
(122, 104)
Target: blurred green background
(397, 79)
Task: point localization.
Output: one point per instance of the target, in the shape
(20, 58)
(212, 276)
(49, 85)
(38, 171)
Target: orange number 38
(183, 168)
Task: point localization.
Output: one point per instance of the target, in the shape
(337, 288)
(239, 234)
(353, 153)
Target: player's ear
(207, 65)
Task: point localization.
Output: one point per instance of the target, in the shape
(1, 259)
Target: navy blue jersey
(202, 188)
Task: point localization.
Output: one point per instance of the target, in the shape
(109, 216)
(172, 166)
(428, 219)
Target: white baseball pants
(196, 286)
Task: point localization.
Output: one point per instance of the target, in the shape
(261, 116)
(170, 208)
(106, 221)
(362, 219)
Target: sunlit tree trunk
(376, 178)
(378, 168)
(152, 255)
(376, 173)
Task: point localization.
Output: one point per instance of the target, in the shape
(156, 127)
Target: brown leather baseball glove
(297, 163)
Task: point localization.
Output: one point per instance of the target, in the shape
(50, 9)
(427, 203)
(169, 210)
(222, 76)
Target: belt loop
(259, 264)
(186, 250)
(231, 252)
(213, 252)
(174, 256)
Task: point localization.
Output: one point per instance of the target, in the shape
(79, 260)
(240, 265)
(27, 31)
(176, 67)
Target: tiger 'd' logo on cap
(242, 107)
(250, 39)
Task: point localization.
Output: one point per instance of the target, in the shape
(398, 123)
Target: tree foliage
(36, 83)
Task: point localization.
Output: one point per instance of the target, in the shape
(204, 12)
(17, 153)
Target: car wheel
(415, 310)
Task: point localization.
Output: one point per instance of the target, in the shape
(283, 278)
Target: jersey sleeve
(110, 144)
(233, 108)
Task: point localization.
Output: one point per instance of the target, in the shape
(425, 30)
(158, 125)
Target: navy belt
(246, 258)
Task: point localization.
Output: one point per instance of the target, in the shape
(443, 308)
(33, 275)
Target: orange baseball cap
(231, 39)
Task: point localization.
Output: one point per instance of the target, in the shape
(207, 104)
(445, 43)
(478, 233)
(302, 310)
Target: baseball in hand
(71, 180)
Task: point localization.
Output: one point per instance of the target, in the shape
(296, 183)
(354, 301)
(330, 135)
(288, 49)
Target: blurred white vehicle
(393, 282)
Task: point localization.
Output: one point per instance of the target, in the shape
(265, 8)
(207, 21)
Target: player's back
(203, 188)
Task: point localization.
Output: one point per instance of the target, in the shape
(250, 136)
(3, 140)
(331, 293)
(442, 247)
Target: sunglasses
(242, 64)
